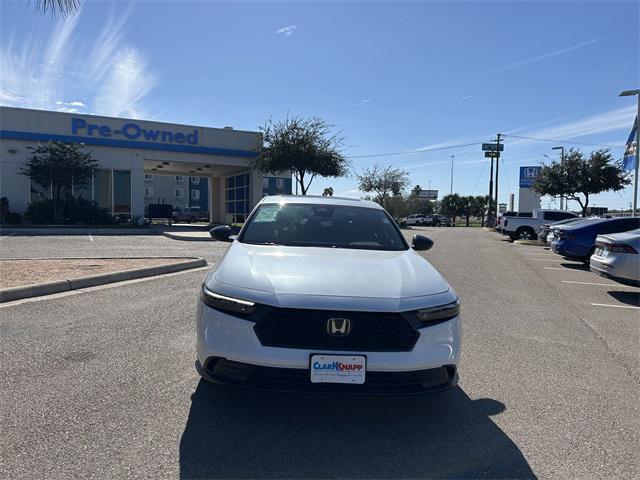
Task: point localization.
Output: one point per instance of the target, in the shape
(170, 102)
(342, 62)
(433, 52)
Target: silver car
(616, 256)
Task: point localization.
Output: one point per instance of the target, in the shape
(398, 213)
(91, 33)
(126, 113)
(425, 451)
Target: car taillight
(620, 247)
(567, 236)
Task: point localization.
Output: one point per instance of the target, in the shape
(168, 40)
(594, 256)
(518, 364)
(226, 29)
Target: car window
(619, 225)
(335, 226)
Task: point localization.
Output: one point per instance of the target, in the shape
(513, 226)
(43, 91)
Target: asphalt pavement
(100, 382)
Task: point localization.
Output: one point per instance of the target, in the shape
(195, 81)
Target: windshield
(336, 226)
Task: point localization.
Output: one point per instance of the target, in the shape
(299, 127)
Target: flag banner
(630, 155)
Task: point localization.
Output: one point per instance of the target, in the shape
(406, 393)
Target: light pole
(429, 184)
(561, 159)
(451, 189)
(629, 93)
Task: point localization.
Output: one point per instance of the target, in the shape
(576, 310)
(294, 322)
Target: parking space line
(569, 262)
(566, 269)
(615, 306)
(616, 285)
(91, 237)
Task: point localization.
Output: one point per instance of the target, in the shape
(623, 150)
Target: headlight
(229, 304)
(441, 313)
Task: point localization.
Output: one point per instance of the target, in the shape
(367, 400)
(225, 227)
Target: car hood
(314, 271)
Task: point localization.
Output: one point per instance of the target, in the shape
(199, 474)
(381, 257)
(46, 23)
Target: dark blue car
(579, 240)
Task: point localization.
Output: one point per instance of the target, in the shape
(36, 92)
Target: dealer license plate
(338, 368)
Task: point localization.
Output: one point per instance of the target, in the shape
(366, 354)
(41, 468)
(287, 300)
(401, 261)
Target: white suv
(325, 295)
(416, 219)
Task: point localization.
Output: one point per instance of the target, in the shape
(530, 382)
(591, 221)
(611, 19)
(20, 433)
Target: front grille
(370, 331)
(297, 380)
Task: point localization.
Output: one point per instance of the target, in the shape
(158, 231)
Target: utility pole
(490, 215)
(498, 138)
(451, 189)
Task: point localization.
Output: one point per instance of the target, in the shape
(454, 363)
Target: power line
(449, 147)
(484, 165)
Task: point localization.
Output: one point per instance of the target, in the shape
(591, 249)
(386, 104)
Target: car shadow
(576, 266)
(628, 298)
(236, 433)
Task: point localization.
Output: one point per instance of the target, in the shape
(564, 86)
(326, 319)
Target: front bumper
(231, 341)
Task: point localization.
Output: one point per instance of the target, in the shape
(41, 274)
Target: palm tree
(62, 7)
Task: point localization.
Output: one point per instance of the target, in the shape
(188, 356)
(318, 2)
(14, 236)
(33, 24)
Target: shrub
(74, 211)
(13, 218)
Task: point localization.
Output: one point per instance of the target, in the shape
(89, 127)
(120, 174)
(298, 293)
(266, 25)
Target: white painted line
(91, 237)
(615, 306)
(99, 287)
(616, 285)
(554, 260)
(565, 269)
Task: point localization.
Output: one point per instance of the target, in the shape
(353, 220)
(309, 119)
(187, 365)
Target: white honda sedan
(325, 295)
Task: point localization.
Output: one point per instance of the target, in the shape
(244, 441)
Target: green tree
(383, 181)
(577, 178)
(467, 207)
(63, 7)
(59, 166)
(480, 206)
(451, 206)
(304, 146)
(328, 192)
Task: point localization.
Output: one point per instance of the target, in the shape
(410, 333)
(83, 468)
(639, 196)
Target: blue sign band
(108, 142)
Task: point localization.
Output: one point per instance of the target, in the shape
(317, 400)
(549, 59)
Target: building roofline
(2, 107)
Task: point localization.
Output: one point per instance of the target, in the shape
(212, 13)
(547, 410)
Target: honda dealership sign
(527, 175)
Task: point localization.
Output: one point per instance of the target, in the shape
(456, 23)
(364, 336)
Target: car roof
(318, 200)
(591, 221)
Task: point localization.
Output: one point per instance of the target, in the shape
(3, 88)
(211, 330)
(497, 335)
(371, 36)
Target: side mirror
(420, 242)
(221, 233)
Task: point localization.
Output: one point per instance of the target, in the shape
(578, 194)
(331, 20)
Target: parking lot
(101, 382)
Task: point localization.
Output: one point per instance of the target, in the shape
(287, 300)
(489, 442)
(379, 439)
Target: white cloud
(363, 102)
(44, 69)
(467, 97)
(609, 121)
(127, 83)
(527, 61)
(286, 31)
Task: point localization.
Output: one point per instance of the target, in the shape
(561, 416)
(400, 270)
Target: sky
(414, 80)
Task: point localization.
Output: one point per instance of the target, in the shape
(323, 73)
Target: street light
(630, 93)
(561, 158)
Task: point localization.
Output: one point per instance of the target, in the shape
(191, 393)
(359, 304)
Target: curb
(58, 286)
(528, 242)
(184, 238)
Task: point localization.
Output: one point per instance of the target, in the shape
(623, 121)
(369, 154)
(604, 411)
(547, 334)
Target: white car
(616, 256)
(416, 219)
(324, 294)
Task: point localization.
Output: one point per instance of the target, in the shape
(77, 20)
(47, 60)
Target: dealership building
(133, 155)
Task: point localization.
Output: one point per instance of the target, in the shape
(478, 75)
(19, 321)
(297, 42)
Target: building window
(148, 192)
(276, 186)
(238, 199)
(121, 191)
(179, 192)
(148, 176)
(195, 195)
(179, 178)
(195, 180)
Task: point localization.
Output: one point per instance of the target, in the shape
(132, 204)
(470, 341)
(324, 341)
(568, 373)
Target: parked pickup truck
(523, 228)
